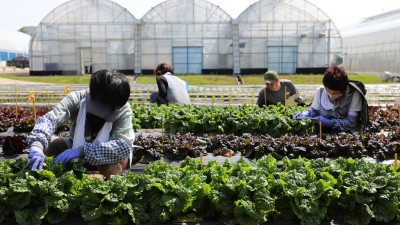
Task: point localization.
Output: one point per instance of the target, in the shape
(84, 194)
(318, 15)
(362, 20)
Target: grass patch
(198, 79)
(367, 79)
(50, 79)
(194, 79)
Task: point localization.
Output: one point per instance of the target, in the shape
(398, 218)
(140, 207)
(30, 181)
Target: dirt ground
(12, 71)
(4, 81)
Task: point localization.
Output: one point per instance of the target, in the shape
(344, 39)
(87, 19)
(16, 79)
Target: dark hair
(163, 68)
(335, 78)
(110, 87)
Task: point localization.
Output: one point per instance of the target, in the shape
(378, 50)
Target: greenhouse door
(86, 61)
(282, 59)
(187, 60)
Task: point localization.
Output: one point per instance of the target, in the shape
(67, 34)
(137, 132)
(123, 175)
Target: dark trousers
(156, 98)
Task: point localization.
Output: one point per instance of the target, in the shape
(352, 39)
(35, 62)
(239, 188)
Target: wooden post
(362, 135)
(265, 96)
(320, 130)
(284, 101)
(16, 102)
(162, 131)
(48, 100)
(201, 160)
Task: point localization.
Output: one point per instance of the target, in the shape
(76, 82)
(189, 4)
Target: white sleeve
(317, 99)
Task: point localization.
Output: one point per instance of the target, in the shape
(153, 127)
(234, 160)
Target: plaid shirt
(121, 136)
(42, 132)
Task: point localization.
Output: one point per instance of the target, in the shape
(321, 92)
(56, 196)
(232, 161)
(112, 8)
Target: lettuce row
(247, 193)
(274, 120)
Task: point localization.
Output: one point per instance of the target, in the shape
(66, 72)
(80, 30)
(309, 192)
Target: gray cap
(99, 109)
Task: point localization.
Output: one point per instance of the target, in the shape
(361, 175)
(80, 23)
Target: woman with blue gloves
(101, 130)
(337, 105)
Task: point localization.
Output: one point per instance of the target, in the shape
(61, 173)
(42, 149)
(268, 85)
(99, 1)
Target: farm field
(184, 149)
(195, 79)
(210, 164)
(235, 95)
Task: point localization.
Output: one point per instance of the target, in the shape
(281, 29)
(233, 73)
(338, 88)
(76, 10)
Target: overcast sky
(19, 13)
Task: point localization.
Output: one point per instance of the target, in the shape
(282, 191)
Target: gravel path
(19, 82)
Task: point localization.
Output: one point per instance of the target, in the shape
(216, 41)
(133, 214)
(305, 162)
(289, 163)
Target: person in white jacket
(171, 89)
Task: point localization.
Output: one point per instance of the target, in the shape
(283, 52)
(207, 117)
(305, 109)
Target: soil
(5, 81)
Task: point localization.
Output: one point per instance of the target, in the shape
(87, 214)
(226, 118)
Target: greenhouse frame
(372, 45)
(289, 36)
(195, 36)
(79, 37)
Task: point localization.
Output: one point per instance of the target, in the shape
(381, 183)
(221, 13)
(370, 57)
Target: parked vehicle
(19, 61)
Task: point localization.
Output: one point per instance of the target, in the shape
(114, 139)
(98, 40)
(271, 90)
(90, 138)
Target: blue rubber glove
(36, 158)
(67, 155)
(325, 122)
(303, 115)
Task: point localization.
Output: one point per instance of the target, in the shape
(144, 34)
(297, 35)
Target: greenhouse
(12, 44)
(372, 45)
(195, 36)
(83, 36)
(289, 36)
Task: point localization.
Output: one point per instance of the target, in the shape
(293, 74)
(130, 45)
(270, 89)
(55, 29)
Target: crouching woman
(338, 105)
(101, 127)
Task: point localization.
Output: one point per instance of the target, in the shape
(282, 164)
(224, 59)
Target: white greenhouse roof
(184, 11)
(283, 11)
(385, 21)
(88, 11)
(14, 41)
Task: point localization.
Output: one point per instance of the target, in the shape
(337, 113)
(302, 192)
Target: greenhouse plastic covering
(12, 44)
(14, 41)
(293, 29)
(79, 35)
(372, 45)
(194, 35)
(198, 31)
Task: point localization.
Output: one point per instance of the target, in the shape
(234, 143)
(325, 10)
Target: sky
(16, 14)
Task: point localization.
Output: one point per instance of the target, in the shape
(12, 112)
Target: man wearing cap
(274, 90)
(101, 130)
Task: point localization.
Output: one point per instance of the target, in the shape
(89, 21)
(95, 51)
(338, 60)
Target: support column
(138, 47)
(235, 50)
